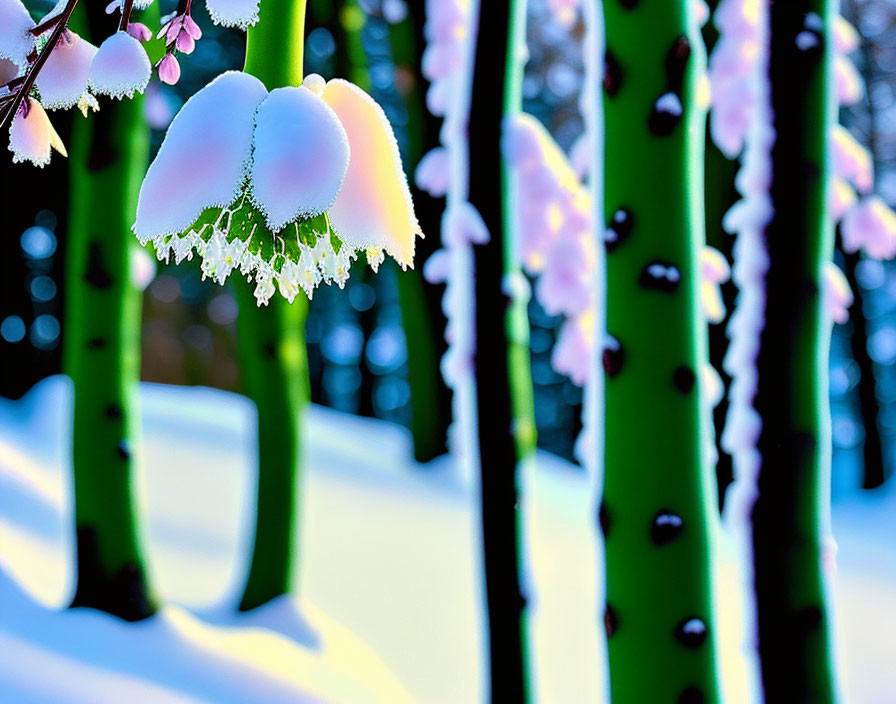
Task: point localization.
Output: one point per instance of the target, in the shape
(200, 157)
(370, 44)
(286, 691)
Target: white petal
(120, 67)
(29, 137)
(233, 13)
(300, 158)
(205, 156)
(63, 79)
(15, 40)
(374, 207)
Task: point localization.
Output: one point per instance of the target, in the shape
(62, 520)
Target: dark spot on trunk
(96, 343)
(612, 74)
(124, 450)
(629, 4)
(603, 517)
(677, 63)
(660, 276)
(691, 633)
(270, 350)
(618, 229)
(611, 621)
(96, 274)
(809, 618)
(122, 593)
(665, 114)
(666, 527)
(613, 357)
(113, 410)
(684, 379)
(691, 695)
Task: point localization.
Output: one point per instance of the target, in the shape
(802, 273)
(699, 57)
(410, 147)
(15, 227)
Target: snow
(373, 208)
(63, 79)
(433, 173)
(301, 156)
(15, 40)
(870, 225)
(120, 67)
(203, 161)
(390, 586)
(233, 13)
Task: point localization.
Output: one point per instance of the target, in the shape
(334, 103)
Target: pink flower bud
(169, 69)
(185, 43)
(164, 30)
(139, 31)
(173, 30)
(192, 28)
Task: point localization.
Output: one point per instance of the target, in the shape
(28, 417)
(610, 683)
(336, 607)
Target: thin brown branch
(34, 68)
(126, 15)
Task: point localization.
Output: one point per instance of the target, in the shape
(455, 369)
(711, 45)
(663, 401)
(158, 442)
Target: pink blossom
(169, 69)
(139, 31)
(185, 43)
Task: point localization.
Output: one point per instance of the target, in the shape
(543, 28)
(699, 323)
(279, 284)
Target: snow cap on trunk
(16, 41)
(374, 207)
(31, 135)
(203, 161)
(300, 159)
(120, 67)
(63, 80)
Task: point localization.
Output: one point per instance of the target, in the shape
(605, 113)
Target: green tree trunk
(659, 507)
(791, 514)
(506, 432)
(273, 356)
(109, 155)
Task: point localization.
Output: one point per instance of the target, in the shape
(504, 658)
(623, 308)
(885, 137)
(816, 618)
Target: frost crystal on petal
(204, 158)
(300, 159)
(120, 67)
(16, 42)
(374, 207)
(63, 80)
(233, 13)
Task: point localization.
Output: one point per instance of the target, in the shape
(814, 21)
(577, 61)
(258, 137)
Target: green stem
(503, 382)
(791, 514)
(658, 500)
(109, 154)
(272, 348)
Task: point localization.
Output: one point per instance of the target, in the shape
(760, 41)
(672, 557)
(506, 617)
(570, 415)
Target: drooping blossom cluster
(286, 186)
(181, 33)
(444, 171)
(557, 248)
(46, 66)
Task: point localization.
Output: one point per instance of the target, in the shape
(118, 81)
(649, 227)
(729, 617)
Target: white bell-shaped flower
(16, 41)
(120, 67)
(300, 159)
(63, 80)
(374, 207)
(203, 161)
(838, 296)
(31, 135)
(233, 13)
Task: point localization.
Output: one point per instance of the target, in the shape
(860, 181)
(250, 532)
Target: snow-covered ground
(390, 583)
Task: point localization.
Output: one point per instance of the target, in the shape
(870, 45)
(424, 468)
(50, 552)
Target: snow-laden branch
(287, 186)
